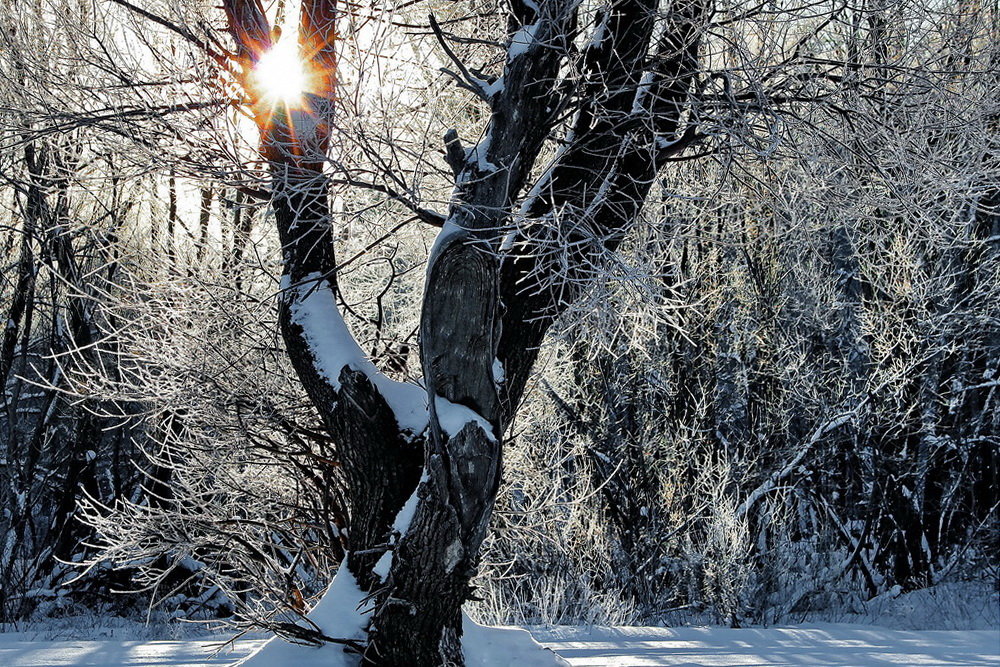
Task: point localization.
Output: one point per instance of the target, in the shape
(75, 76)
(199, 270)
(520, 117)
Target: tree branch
(173, 27)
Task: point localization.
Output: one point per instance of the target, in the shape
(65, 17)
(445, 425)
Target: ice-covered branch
(772, 482)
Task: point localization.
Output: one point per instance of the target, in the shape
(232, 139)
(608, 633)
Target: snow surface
(827, 644)
(822, 644)
(340, 614)
(497, 647)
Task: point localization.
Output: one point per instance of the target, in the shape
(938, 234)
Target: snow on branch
(313, 307)
(772, 482)
(522, 40)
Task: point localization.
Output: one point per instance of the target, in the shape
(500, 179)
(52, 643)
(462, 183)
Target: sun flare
(279, 73)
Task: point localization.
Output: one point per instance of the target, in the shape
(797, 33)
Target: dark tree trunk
(204, 217)
(172, 221)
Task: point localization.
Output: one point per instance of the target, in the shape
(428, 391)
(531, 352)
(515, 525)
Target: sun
(279, 74)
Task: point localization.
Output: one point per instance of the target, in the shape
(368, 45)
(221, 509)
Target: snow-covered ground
(821, 644)
(954, 625)
(826, 644)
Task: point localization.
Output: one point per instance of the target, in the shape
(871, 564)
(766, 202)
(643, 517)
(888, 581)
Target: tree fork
(482, 305)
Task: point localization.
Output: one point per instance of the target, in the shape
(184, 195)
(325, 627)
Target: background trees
(791, 377)
(771, 273)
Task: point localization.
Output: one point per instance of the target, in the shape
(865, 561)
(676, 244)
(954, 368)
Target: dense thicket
(783, 383)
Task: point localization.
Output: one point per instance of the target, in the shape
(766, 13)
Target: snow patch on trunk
(452, 417)
(522, 40)
(600, 32)
(453, 556)
(399, 527)
(478, 154)
(499, 376)
(405, 515)
(449, 230)
(491, 89)
(382, 567)
(642, 92)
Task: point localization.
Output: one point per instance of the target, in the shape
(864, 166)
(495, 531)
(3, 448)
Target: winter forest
(363, 323)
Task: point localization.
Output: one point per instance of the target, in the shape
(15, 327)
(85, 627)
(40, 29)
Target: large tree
(836, 255)
(516, 248)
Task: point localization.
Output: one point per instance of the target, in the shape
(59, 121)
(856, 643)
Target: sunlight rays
(280, 75)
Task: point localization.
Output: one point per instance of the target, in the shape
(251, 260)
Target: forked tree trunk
(486, 306)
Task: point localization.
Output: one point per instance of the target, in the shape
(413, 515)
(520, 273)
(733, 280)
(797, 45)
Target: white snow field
(822, 644)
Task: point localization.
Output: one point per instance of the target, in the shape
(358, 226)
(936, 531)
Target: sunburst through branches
(279, 73)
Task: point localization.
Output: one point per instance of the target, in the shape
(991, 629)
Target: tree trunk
(486, 306)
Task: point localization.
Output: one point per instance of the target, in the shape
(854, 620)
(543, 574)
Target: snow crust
(339, 614)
